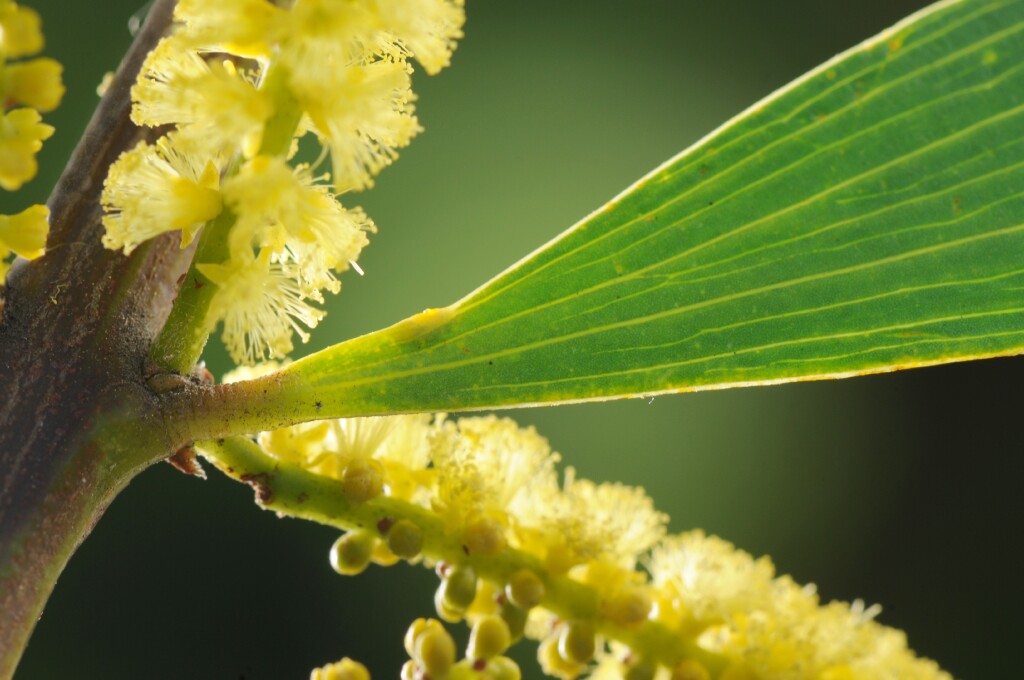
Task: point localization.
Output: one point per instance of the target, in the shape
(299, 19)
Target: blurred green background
(901, 489)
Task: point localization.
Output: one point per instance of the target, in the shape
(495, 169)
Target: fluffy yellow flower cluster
(240, 82)
(27, 87)
(585, 568)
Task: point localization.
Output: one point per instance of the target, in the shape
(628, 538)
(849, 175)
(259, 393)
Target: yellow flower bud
(489, 638)
(459, 587)
(514, 616)
(350, 554)
(36, 83)
(576, 643)
(553, 663)
(483, 536)
(362, 480)
(20, 31)
(405, 539)
(25, 233)
(525, 589)
(346, 669)
(435, 650)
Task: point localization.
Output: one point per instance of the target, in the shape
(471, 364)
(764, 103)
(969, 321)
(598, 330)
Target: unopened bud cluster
(28, 88)
(586, 569)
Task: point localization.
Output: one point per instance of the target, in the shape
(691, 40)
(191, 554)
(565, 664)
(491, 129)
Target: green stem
(181, 341)
(291, 490)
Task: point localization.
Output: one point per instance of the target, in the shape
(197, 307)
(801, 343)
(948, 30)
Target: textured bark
(75, 331)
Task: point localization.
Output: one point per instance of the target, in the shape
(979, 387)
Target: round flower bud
(503, 668)
(515, 617)
(346, 669)
(417, 628)
(459, 586)
(350, 554)
(576, 642)
(362, 480)
(435, 650)
(408, 670)
(483, 536)
(444, 610)
(489, 638)
(405, 539)
(553, 663)
(690, 670)
(525, 589)
(629, 606)
(642, 670)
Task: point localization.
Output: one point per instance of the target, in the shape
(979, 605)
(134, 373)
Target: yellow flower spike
(346, 669)
(35, 83)
(261, 306)
(425, 29)
(21, 137)
(350, 554)
(154, 188)
(25, 233)
(215, 106)
(20, 31)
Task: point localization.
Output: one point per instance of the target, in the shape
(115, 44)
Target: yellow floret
(482, 464)
(585, 521)
(363, 113)
(213, 104)
(21, 137)
(155, 188)
(425, 29)
(36, 83)
(248, 28)
(279, 207)
(261, 306)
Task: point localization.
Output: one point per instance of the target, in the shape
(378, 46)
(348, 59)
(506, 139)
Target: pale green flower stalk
(585, 569)
(28, 88)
